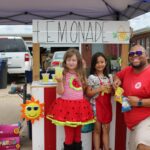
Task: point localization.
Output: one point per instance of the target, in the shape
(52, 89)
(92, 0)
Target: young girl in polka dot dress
(71, 110)
(99, 91)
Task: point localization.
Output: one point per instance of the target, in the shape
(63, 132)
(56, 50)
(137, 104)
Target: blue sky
(137, 23)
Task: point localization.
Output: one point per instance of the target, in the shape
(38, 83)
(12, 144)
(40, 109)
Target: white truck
(17, 54)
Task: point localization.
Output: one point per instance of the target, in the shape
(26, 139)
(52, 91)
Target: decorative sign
(77, 31)
(32, 110)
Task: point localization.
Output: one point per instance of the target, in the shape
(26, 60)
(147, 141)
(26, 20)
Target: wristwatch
(139, 103)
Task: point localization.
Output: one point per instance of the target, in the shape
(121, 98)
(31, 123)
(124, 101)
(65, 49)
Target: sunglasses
(138, 53)
(32, 108)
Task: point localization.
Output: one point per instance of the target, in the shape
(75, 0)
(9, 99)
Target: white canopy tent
(23, 12)
(17, 12)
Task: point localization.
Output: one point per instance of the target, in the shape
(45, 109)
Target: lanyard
(101, 83)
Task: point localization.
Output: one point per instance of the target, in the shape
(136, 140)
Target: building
(142, 37)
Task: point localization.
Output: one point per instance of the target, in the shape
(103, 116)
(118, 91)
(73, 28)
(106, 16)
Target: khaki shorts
(140, 134)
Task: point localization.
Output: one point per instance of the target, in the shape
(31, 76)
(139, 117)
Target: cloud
(140, 22)
(15, 29)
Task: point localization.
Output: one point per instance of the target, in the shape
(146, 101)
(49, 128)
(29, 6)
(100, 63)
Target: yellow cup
(58, 72)
(45, 77)
(53, 78)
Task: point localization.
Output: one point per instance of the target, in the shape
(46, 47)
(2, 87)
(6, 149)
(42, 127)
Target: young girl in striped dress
(71, 109)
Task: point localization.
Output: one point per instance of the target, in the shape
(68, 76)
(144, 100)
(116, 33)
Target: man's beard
(140, 66)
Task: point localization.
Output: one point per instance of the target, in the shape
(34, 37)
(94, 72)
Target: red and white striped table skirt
(46, 136)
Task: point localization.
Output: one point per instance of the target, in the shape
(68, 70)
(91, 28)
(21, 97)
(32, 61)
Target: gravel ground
(10, 114)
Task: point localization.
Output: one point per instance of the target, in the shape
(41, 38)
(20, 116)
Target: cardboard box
(9, 130)
(10, 143)
(9, 137)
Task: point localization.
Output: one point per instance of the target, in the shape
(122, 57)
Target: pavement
(10, 112)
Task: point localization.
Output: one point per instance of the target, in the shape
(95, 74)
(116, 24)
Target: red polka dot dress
(101, 103)
(71, 109)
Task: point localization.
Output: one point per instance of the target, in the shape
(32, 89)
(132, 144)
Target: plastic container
(28, 75)
(3, 73)
(45, 77)
(58, 72)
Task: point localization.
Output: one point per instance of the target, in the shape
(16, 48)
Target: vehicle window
(12, 45)
(59, 56)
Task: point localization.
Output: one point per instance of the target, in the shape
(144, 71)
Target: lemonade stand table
(77, 33)
(45, 135)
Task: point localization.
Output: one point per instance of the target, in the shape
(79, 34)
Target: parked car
(57, 59)
(17, 54)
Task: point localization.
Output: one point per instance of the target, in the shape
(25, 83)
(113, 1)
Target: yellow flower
(122, 36)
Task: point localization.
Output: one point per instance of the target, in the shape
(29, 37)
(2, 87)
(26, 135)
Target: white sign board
(77, 31)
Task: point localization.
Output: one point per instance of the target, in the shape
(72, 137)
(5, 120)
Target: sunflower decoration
(32, 110)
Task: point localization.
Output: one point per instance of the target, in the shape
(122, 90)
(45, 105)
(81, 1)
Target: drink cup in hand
(53, 78)
(58, 72)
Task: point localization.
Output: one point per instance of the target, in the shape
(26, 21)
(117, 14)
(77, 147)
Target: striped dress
(71, 109)
(71, 93)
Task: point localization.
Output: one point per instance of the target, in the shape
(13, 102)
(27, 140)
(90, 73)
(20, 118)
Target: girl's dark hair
(94, 62)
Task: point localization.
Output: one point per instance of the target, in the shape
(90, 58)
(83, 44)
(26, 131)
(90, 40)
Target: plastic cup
(53, 78)
(58, 72)
(45, 77)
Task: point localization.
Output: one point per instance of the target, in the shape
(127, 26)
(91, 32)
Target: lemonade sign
(80, 31)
